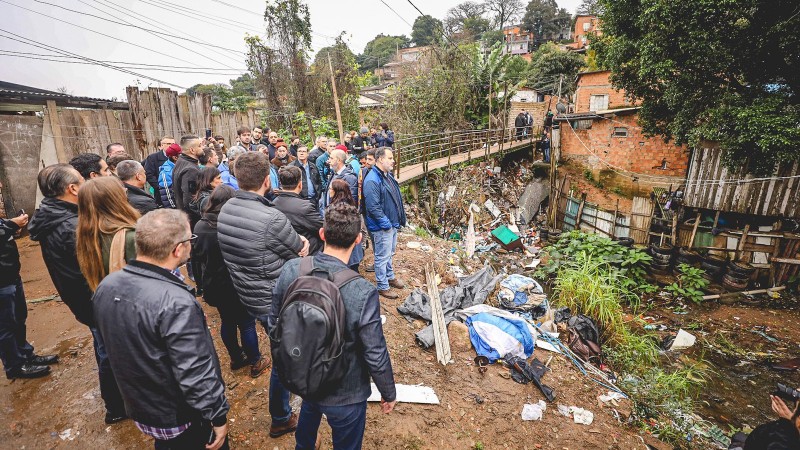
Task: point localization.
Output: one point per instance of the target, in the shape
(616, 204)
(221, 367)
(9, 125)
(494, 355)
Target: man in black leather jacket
(53, 226)
(158, 340)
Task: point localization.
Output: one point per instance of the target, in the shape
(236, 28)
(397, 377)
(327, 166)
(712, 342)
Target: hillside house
(585, 25)
(604, 136)
(405, 61)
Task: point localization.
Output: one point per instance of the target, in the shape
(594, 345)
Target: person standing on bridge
(385, 215)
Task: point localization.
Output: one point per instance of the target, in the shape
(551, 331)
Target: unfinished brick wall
(635, 155)
(537, 110)
(598, 83)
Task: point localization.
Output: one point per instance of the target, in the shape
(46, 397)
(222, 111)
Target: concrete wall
(20, 140)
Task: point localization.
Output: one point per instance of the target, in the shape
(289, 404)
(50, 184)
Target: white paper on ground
(683, 340)
(580, 415)
(533, 411)
(407, 393)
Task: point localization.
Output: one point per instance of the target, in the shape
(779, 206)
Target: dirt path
(476, 411)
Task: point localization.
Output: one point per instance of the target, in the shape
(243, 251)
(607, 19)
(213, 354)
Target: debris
(563, 410)
(492, 209)
(482, 362)
(383, 319)
(791, 364)
(533, 264)
(531, 198)
(507, 239)
(469, 241)
(437, 319)
(580, 415)
(498, 337)
(408, 394)
(524, 372)
(414, 244)
(611, 396)
(682, 341)
(68, 434)
(533, 411)
(522, 293)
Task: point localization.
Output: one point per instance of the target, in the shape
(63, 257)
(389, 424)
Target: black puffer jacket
(139, 199)
(9, 255)
(256, 240)
(304, 217)
(160, 348)
(53, 226)
(184, 184)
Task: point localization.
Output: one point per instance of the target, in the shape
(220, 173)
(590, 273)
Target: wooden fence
(578, 213)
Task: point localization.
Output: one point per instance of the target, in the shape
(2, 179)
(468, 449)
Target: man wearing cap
(361, 142)
(152, 165)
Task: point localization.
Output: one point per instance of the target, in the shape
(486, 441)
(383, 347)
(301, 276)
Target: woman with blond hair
(105, 237)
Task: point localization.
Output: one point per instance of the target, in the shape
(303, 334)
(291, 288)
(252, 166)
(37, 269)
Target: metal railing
(424, 148)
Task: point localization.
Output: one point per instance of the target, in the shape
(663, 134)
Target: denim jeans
(546, 152)
(229, 332)
(14, 347)
(347, 425)
(385, 245)
(108, 384)
(279, 396)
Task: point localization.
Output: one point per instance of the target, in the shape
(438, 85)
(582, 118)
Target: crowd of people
(115, 234)
(248, 223)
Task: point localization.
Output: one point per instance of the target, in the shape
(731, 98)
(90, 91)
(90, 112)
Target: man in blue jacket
(385, 214)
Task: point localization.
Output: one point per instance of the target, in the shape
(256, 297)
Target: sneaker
(259, 367)
(276, 431)
(112, 418)
(388, 293)
(397, 283)
(43, 360)
(369, 268)
(28, 370)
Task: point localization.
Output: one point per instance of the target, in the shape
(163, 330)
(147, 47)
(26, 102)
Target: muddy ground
(64, 410)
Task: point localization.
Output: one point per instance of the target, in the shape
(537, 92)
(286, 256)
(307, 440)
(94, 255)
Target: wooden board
(641, 213)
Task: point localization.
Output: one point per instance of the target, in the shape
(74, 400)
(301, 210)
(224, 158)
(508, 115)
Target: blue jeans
(109, 390)
(279, 407)
(385, 244)
(546, 152)
(229, 332)
(14, 347)
(347, 424)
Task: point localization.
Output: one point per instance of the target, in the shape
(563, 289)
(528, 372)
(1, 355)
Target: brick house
(603, 135)
(405, 61)
(585, 25)
(517, 41)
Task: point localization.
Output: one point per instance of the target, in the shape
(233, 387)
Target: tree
(345, 74)
(505, 11)
(545, 20)
(731, 75)
(549, 63)
(381, 50)
(223, 97)
(591, 7)
(460, 14)
(426, 30)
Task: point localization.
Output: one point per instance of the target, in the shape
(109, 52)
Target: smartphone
(211, 437)
(20, 212)
(208, 133)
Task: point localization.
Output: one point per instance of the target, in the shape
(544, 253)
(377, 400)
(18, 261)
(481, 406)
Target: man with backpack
(324, 311)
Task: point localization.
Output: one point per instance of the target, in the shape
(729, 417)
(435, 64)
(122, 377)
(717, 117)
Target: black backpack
(308, 339)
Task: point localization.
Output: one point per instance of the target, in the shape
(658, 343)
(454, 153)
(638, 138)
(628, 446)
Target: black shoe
(28, 371)
(43, 360)
(239, 363)
(112, 418)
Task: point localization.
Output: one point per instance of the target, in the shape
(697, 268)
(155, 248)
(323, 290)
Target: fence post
(580, 211)
(450, 149)
(55, 129)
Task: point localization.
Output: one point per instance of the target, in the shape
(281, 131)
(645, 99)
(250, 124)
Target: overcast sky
(191, 19)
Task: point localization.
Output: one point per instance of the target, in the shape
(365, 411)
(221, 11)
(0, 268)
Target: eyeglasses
(192, 239)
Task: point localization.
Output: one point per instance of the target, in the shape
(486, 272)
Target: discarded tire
(740, 269)
(543, 233)
(734, 284)
(655, 270)
(625, 242)
(716, 261)
(665, 249)
(553, 236)
(686, 256)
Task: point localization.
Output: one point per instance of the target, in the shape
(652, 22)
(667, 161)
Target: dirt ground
(65, 410)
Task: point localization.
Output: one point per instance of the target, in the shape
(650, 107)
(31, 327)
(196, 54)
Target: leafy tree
(223, 97)
(548, 63)
(589, 7)
(706, 71)
(290, 27)
(545, 20)
(460, 15)
(426, 30)
(492, 37)
(244, 85)
(490, 75)
(474, 27)
(505, 11)
(367, 79)
(345, 73)
(381, 50)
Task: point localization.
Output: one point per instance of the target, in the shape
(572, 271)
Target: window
(598, 102)
(586, 26)
(620, 132)
(582, 124)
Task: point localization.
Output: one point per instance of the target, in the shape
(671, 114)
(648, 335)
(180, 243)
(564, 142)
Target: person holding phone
(780, 434)
(19, 360)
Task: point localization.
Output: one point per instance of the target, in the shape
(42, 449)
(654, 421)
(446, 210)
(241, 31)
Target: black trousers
(194, 438)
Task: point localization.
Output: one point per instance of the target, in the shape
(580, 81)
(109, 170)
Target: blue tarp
(497, 337)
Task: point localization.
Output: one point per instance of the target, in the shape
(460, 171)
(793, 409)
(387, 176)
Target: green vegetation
(689, 285)
(598, 277)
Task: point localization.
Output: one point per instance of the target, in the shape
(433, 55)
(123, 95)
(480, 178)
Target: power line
(397, 14)
(38, 58)
(188, 12)
(165, 66)
(330, 38)
(37, 44)
(102, 34)
(161, 35)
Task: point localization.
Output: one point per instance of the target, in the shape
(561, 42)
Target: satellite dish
(561, 108)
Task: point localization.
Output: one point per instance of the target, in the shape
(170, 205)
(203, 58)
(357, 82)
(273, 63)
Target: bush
(689, 285)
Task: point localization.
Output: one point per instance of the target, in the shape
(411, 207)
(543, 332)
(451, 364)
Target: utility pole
(553, 166)
(560, 81)
(336, 101)
(489, 135)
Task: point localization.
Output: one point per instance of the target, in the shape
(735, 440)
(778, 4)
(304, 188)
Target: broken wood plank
(743, 239)
(694, 230)
(441, 339)
(732, 294)
(408, 394)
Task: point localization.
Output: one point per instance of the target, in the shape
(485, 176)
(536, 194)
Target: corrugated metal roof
(12, 92)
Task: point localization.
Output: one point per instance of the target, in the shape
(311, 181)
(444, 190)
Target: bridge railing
(423, 148)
